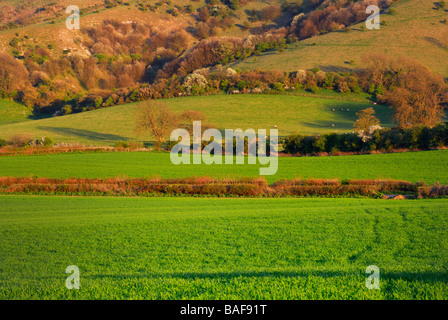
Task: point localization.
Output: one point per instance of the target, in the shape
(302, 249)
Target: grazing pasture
(303, 114)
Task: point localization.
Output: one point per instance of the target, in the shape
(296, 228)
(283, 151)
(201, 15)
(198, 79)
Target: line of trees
(206, 82)
(415, 138)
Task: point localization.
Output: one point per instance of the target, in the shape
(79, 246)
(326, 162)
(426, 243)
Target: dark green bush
(291, 144)
(48, 142)
(439, 136)
(419, 137)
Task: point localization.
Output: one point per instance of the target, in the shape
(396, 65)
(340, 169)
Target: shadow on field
(329, 68)
(435, 42)
(327, 125)
(85, 134)
(428, 277)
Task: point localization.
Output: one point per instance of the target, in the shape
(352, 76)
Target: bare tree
(156, 118)
(203, 14)
(189, 116)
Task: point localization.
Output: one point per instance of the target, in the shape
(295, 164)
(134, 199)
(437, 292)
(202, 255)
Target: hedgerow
(415, 138)
(205, 186)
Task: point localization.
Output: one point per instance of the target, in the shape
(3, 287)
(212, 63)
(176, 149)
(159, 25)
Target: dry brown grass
(57, 34)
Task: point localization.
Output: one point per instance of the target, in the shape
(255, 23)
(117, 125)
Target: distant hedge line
(416, 138)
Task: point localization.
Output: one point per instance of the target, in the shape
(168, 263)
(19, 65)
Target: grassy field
(167, 248)
(430, 166)
(415, 31)
(12, 112)
(307, 115)
(226, 248)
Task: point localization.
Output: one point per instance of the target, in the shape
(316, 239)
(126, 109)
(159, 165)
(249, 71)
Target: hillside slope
(414, 31)
(12, 112)
(48, 24)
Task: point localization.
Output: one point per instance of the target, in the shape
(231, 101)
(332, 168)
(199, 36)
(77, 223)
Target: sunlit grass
(429, 166)
(307, 115)
(171, 248)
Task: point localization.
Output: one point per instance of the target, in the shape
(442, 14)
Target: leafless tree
(157, 119)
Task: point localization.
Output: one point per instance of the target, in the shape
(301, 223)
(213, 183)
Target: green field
(12, 112)
(307, 115)
(206, 247)
(171, 248)
(430, 166)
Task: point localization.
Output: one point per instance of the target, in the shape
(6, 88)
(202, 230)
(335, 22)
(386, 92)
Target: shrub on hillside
(47, 142)
(132, 145)
(20, 140)
(270, 13)
(433, 191)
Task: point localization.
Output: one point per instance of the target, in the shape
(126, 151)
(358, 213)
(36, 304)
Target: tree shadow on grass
(39, 116)
(328, 125)
(338, 69)
(436, 42)
(85, 134)
(428, 277)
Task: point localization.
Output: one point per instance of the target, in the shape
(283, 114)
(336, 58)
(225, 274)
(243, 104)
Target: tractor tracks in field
(375, 239)
(407, 240)
(396, 245)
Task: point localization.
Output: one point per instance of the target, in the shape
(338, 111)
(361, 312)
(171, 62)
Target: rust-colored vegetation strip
(206, 186)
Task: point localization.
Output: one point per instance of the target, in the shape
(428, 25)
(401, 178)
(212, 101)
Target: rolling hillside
(414, 31)
(49, 27)
(306, 115)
